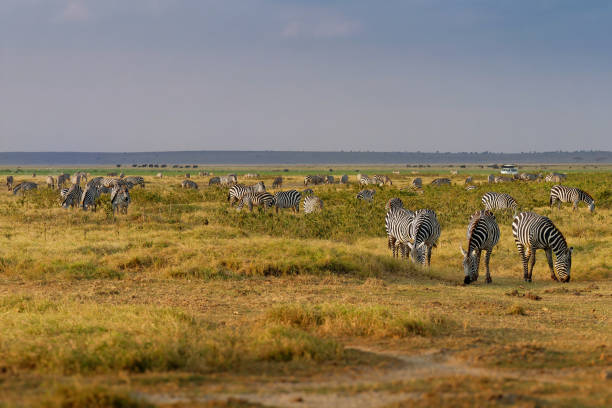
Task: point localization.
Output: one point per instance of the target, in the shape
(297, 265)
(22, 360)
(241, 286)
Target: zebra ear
(462, 251)
(571, 249)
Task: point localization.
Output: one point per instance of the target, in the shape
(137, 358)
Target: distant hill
(294, 157)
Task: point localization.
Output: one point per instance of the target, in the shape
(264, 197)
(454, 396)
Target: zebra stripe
(470, 188)
(482, 234)
(394, 203)
(381, 180)
(278, 182)
(499, 201)
(214, 181)
(189, 184)
(563, 194)
(441, 181)
(366, 195)
(313, 179)
(237, 191)
(120, 199)
(288, 199)
(134, 181)
(398, 222)
(24, 186)
(532, 232)
(252, 198)
(425, 230)
(72, 196)
(89, 198)
(9, 182)
(312, 203)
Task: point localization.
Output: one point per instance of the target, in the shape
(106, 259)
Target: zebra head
(417, 252)
(470, 265)
(563, 264)
(592, 206)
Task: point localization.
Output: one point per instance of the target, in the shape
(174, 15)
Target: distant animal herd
(410, 234)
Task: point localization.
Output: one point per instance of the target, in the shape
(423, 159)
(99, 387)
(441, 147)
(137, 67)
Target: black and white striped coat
(532, 232)
(9, 182)
(288, 199)
(394, 202)
(72, 196)
(252, 199)
(499, 201)
(236, 191)
(312, 204)
(313, 179)
(24, 186)
(482, 235)
(366, 195)
(441, 181)
(381, 180)
(364, 180)
(89, 198)
(278, 182)
(425, 230)
(189, 184)
(398, 222)
(134, 181)
(120, 199)
(562, 194)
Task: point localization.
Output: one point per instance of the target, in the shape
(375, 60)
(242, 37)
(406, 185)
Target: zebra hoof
(488, 280)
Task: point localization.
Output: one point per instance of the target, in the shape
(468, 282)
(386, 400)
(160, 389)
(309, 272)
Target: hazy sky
(137, 75)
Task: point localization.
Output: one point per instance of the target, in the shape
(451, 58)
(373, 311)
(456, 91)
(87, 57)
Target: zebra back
(312, 203)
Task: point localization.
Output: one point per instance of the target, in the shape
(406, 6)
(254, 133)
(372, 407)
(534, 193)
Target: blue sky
(118, 75)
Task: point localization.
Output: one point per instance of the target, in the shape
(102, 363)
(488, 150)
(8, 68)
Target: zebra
(425, 230)
(76, 178)
(532, 232)
(528, 176)
(482, 234)
(440, 181)
(499, 201)
(189, 184)
(278, 182)
(502, 179)
(312, 203)
(288, 199)
(471, 187)
(491, 178)
(9, 182)
(555, 177)
(89, 198)
(160, 175)
(381, 180)
(96, 181)
(251, 175)
(563, 194)
(110, 182)
(398, 222)
(214, 181)
(330, 179)
(468, 180)
(313, 179)
(259, 199)
(236, 191)
(72, 196)
(344, 179)
(417, 183)
(307, 191)
(61, 179)
(366, 195)
(24, 186)
(50, 182)
(364, 180)
(394, 203)
(228, 180)
(135, 181)
(120, 199)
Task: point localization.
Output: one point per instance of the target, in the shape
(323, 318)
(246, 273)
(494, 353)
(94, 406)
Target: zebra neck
(560, 247)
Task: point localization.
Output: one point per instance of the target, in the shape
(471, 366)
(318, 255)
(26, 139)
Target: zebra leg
(487, 257)
(532, 260)
(429, 250)
(521, 251)
(550, 264)
(575, 206)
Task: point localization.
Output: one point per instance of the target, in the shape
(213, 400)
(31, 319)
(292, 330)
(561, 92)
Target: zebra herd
(416, 233)
(256, 196)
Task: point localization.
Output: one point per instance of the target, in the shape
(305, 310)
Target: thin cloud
(75, 11)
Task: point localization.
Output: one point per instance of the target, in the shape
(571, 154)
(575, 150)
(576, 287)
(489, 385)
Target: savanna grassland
(186, 302)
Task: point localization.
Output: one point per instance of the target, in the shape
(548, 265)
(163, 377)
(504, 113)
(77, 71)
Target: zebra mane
(474, 223)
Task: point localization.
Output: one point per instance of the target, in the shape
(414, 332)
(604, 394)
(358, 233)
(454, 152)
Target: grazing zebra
(9, 182)
(75, 178)
(278, 182)
(440, 182)
(468, 180)
(425, 230)
(258, 199)
(381, 180)
(50, 182)
(120, 199)
(24, 186)
(491, 178)
(228, 180)
(189, 184)
(555, 177)
(72, 196)
(330, 179)
(532, 232)
(288, 199)
(503, 179)
(134, 181)
(364, 180)
(312, 203)
(344, 179)
(89, 198)
(214, 181)
(61, 179)
(482, 234)
(472, 187)
(528, 177)
(307, 191)
(562, 194)
(394, 203)
(236, 191)
(499, 201)
(366, 195)
(251, 175)
(398, 222)
(417, 183)
(313, 179)
(96, 181)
